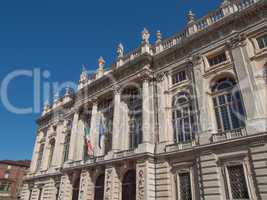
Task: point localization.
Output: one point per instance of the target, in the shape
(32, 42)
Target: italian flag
(90, 149)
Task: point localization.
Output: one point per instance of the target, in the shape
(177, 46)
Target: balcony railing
(225, 10)
(181, 146)
(228, 135)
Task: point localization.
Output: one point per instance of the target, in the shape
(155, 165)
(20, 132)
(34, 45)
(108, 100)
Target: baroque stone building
(184, 118)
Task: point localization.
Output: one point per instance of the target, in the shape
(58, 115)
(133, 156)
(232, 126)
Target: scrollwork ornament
(141, 185)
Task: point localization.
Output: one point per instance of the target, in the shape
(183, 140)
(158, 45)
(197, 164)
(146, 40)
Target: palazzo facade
(181, 119)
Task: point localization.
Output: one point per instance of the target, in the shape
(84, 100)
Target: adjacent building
(11, 177)
(181, 119)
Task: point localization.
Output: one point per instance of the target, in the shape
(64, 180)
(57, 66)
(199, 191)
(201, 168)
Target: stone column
(147, 111)
(73, 136)
(117, 125)
(93, 126)
(256, 121)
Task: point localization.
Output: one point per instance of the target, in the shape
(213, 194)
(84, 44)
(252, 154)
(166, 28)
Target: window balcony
(228, 135)
(181, 146)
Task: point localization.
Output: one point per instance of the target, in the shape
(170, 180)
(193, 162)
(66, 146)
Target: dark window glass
(66, 148)
(40, 157)
(228, 106)
(238, 184)
(129, 186)
(219, 58)
(76, 188)
(99, 187)
(262, 41)
(4, 186)
(51, 153)
(185, 186)
(179, 77)
(133, 98)
(184, 119)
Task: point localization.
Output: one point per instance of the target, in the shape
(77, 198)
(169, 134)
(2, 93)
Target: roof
(20, 163)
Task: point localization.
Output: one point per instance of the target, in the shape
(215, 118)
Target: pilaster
(73, 137)
(86, 186)
(256, 121)
(145, 179)
(111, 184)
(117, 125)
(205, 105)
(93, 127)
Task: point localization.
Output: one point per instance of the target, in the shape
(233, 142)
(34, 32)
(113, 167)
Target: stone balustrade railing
(181, 146)
(228, 135)
(227, 8)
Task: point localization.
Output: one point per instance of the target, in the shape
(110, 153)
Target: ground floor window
(129, 185)
(99, 187)
(184, 183)
(237, 182)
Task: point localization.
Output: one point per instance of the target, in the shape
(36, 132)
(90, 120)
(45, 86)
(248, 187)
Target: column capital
(146, 74)
(116, 89)
(236, 41)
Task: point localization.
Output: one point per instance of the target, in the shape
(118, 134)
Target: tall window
(4, 186)
(262, 41)
(66, 148)
(106, 123)
(76, 188)
(40, 157)
(184, 118)
(51, 153)
(228, 105)
(133, 99)
(129, 185)
(185, 190)
(99, 187)
(237, 182)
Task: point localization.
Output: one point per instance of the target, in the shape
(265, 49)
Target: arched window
(99, 187)
(66, 148)
(40, 157)
(129, 185)
(183, 118)
(51, 153)
(133, 98)
(228, 105)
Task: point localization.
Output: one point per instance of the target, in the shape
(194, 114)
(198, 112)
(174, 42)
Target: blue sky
(60, 36)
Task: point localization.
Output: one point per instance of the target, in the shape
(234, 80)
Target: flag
(90, 149)
(101, 131)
